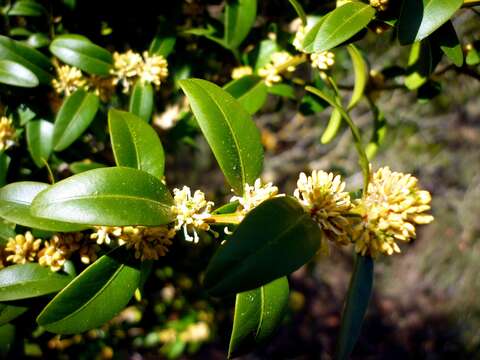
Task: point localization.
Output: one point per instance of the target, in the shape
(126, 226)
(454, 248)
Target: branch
(470, 3)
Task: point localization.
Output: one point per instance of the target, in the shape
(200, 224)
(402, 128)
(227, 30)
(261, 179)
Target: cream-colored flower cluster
(22, 248)
(129, 67)
(241, 71)
(387, 213)
(191, 212)
(7, 133)
(68, 80)
(380, 5)
(323, 60)
(280, 62)
(254, 195)
(196, 332)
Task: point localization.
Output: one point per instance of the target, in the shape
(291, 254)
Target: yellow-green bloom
(68, 79)
(322, 195)
(149, 243)
(389, 211)
(154, 69)
(279, 62)
(241, 71)
(22, 248)
(8, 133)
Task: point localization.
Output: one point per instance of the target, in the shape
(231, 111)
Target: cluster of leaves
(122, 184)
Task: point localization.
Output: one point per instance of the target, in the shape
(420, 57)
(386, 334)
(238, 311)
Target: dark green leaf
(250, 91)
(116, 196)
(283, 90)
(4, 164)
(29, 280)
(135, 144)
(258, 313)
(15, 74)
(15, 202)
(141, 100)
(239, 18)
(10, 311)
(421, 63)
(356, 306)
(95, 296)
(73, 118)
(418, 19)
(82, 166)
(38, 40)
(229, 130)
(379, 132)
(23, 54)
(446, 38)
(162, 45)
(26, 8)
(274, 239)
(7, 339)
(338, 26)
(7, 231)
(78, 51)
(40, 141)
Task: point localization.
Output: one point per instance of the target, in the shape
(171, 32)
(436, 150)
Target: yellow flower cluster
(280, 61)
(130, 66)
(389, 211)
(322, 195)
(191, 212)
(68, 79)
(380, 5)
(196, 332)
(241, 71)
(22, 248)
(323, 60)
(7, 133)
(254, 196)
(299, 37)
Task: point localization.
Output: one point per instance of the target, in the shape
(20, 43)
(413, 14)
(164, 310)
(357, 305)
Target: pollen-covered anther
(191, 212)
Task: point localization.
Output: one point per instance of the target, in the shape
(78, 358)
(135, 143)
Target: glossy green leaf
(250, 91)
(473, 57)
(82, 166)
(15, 74)
(7, 231)
(299, 10)
(117, 196)
(421, 63)
(333, 126)
(446, 38)
(141, 100)
(26, 8)
(418, 19)
(38, 40)
(229, 130)
(78, 51)
(135, 144)
(11, 310)
(95, 296)
(4, 164)
(262, 54)
(40, 141)
(258, 313)
(30, 280)
(338, 26)
(356, 305)
(239, 18)
(275, 239)
(162, 45)
(30, 58)
(283, 90)
(73, 118)
(15, 202)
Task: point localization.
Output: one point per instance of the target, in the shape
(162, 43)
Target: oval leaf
(239, 18)
(74, 117)
(135, 144)
(12, 73)
(95, 296)
(446, 38)
(78, 51)
(117, 196)
(275, 239)
(258, 313)
(26, 8)
(10, 311)
(418, 19)
(250, 91)
(338, 26)
(15, 202)
(23, 54)
(30, 280)
(40, 141)
(356, 305)
(229, 130)
(141, 100)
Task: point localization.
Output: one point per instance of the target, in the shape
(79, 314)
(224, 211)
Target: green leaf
(38, 40)
(418, 19)
(15, 202)
(15, 74)
(229, 130)
(283, 90)
(26, 8)
(275, 239)
(40, 141)
(117, 196)
(73, 118)
(7, 231)
(262, 54)
(473, 57)
(299, 10)
(4, 164)
(29, 280)
(23, 54)
(258, 313)
(421, 63)
(135, 144)
(141, 100)
(360, 68)
(162, 45)
(7, 340)
(78, 51)
(380, 127)
(446, 38)
(250, 91)
(333, 126)
(10, 311)
(95, 296)
(239, 18)
(338, 26)
(82, 166)
(356, 305)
